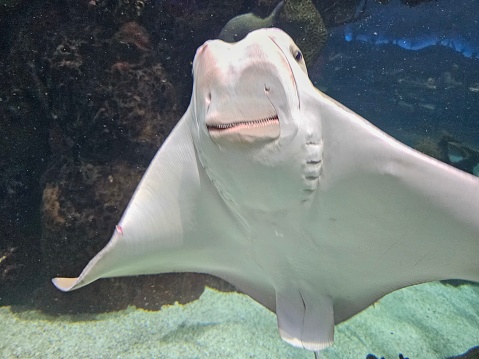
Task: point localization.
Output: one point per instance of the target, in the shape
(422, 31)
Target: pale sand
(422, 322)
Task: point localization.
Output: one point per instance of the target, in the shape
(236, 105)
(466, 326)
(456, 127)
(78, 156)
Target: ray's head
(247, 108)
(246, 92)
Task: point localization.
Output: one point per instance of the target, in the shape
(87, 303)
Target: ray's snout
(202, 48)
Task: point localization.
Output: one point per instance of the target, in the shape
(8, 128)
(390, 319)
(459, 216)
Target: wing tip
(64, 284)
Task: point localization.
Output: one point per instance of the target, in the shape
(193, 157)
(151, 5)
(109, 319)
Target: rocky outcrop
(91, 89)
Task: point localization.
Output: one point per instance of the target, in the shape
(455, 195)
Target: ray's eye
(298, 56)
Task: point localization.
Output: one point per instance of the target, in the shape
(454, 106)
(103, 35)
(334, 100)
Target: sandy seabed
(428, 321)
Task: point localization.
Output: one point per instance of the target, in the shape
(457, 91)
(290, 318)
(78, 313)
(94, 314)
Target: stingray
(296, 200)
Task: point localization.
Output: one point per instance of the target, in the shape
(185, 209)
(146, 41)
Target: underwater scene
(189, 179)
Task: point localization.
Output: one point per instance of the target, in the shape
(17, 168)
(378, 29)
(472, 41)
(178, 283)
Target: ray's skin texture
(302, 204)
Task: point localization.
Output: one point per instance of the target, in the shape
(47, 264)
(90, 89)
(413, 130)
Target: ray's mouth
(263, 130)
(272, 120)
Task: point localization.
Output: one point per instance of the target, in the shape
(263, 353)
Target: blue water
(453, 24)
(411, 71)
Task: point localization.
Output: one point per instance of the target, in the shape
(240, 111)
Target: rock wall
(90, 91)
